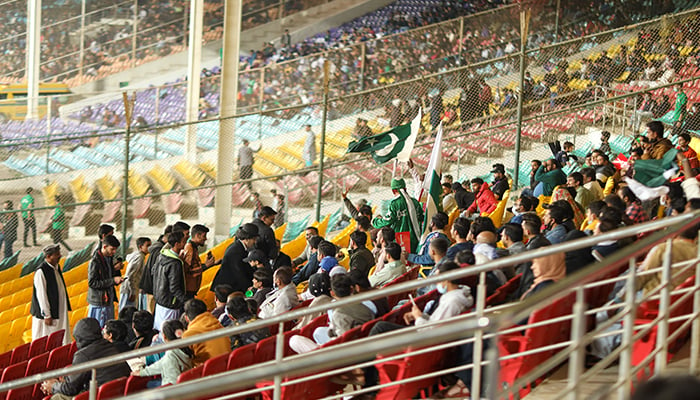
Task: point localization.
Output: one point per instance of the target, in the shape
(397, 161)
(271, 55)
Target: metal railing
(481, 325)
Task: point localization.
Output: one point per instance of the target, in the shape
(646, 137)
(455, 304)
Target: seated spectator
(463, 198)
(592, 211)
(521, 205)
(591, 183)
(484, 200)
(448, 198)
(634, 210)
(485, 251)
(549, 175)
(583, 196)
(393, 266)
(555, 230)
(282, 299)
(512, 239)
(546, 271)
(175, 361)
(311, 265)
(459, 232)
(142, 324)
(199, 320)
(500, 184)
(607, 247)
(91, 346)
(341, 319)
(320, 289)
(437, 225)
(577, 259)
(688, 152)
(327, 261)
(115, 333)
(360, 257)
(258, 259)
(238, 311)
(126, 315)
(262, 283)
(360, 284)
(221, 293)
(385, 236)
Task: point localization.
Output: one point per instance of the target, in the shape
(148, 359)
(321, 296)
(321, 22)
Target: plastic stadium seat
(136, 384)
(191, 374)
(35, 366)
(111, 389)
(14, 371)
(55, 339)
(37, 346)
(216, 365)
(59, 357)
(265, 349)
(20, 353)
(24, 393)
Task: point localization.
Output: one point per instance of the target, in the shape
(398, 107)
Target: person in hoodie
(169, 281)
(199, 320)
(484, 200)
(146, 301)
(175, 361)
(91, 346)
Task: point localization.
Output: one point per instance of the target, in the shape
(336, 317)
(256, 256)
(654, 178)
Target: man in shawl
(405, 216)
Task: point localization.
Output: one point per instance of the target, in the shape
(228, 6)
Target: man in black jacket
(102, 281)
(500, 184)
(360, 257)
(91, 346)
(146, 301)
(169, 281)
(463, 198)
(266, 242)
(234, 271)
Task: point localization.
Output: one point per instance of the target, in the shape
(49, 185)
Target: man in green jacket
(551, 176)
(405, 217)
(58, 224)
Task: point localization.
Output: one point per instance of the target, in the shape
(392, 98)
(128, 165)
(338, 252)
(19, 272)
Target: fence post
(128, 107)
(524, 25)
(134, 33)
(324, 116)
(623, 390)
(664, 305)
(578, 350)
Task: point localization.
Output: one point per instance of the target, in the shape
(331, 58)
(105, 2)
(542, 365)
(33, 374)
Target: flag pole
(393, 172)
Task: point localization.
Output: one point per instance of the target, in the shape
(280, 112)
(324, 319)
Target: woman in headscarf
(561, 192)
(546, 270)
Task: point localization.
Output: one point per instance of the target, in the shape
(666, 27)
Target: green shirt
(59, 218)
(399, 219)
(27, 202)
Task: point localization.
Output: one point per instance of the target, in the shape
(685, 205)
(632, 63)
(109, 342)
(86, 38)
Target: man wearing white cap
(50, 303)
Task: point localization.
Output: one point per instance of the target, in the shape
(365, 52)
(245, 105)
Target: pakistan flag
(396, 142)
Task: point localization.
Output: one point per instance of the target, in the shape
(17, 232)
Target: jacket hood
(205, 322)
(87, 331)
(463, 296)
(182, 358)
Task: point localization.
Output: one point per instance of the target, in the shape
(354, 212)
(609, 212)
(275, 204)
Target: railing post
(93, 385)
(578, 349)
(279, 354)
(664, 305)
(478, 338)
(461, 38)
(623, 378)
(493, 368)
(695, 336)
(624, 117)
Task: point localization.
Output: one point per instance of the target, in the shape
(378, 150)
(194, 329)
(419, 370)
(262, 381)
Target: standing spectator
(101, 281)
(286, 39)
(199, 320)
(134, 271)
(146, 301)
(245, 162)
(281, 299)
(58, 224)
(234, 271)
(169, 281)
(50, 302)
(309, 151)
(405, 216)
(266, 241)
(281, 216)
(192, 263)
(91, 346)
(27, 204)
(9, 227)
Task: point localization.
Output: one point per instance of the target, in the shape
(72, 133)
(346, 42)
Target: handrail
(508, 316)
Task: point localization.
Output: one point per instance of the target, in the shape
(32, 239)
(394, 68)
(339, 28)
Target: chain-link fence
(77, 155)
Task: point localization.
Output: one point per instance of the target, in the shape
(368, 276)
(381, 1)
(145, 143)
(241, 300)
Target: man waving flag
(396, 143)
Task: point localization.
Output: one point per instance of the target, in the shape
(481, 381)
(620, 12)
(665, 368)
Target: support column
(227, 127)
(33, 57)
(194, 71)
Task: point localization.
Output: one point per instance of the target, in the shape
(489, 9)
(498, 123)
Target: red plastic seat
(191, 374)
(111, 389)
(37, 365)
(5, 359)
(242, 357)
(14, 371)
(408, 367)
(20, 353)
(37, 346)
(55, 340)
(82, 396)
(136, 384)
(308, 329)
(59, 357)
(24, 393)
(265, 350)
(216, 365)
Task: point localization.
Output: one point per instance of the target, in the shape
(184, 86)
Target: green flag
(388, 145)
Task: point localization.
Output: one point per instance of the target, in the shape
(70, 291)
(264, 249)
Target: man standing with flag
(405, 217)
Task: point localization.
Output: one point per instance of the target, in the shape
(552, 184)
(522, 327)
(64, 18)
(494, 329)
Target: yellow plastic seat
(107, 188)
(81, 191)
(163, 180)
(50, 191)
(138, 186)
(194, 176)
